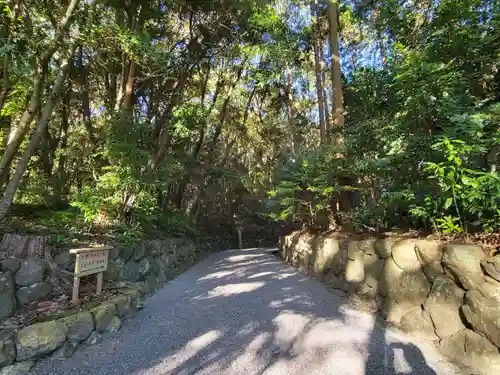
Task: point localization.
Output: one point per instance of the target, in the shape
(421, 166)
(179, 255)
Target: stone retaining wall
(19, 349)
(22, 281)
(139, 269)
(25, 281)
(445, 293)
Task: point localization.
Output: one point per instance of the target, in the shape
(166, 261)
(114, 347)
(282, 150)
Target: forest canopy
(183, 114)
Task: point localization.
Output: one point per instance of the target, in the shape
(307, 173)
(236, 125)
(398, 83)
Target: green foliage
(422, 129)
(306, 189)
(183, 115)
(468, 195)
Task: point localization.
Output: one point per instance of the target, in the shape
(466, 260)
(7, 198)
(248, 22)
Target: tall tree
(338, 97)
(318, 71)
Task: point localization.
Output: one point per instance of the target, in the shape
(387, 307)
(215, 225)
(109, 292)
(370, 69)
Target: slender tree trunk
(338, 98)
(164, 136)
(84, 95)
(383, 56)
(111, 95)
(224, 110)
(5, 122)
(291, 113)
(128, 97)
(6, 79)
(6, 87)
(328, 123)
(60, 32)
(191, 165)
(205, 84)
(319, 80)
(60, 183)
(17, 134)
(20, 131)
(15, 181)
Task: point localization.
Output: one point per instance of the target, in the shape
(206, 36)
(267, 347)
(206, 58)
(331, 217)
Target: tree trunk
(128, 97)
(17, 134)
(15, 181)
(6, 80)
(338, 98)
(328, 124)
(223, 112)
(319, 76)
(164, 136)
(59, 34)
(84, 95)
(291, 113)
(60, 184)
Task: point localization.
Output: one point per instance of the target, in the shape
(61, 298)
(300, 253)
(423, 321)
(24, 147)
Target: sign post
(88, 262)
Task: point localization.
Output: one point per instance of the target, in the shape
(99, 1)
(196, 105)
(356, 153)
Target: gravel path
(244, 312)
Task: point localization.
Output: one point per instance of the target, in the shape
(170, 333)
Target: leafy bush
(466, 196)
(307, 189)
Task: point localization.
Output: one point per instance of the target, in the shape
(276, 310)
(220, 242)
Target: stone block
(403, 254)
(31, 271)
(103, 316)
(39, 339)
(443, 305)
(483, 314)
(7, 347)
(79, 325)
(462, 262)
(29, 294)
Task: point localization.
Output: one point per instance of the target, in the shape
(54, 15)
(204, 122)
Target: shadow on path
(246, 312)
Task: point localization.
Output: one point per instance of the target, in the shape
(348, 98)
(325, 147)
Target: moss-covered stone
(30, 272)
(29, 294)
(19, 368)
(136, 297)
(154, 248)
(114, 269)
(130, 272)
(65, 351)
(115, 325)
(139, 252)
(122, 304)
(103, 316)
(7, 347)
(80, 326)
(144, 267)
(127, 252)
(94, 339)
(8, 301)
(39, 339)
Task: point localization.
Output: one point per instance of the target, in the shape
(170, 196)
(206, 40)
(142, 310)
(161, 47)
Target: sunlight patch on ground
(260, 274)
(238, 258)
(401, 366)
(191, 349)
(282, 276)
(233, 289)
(248, 328)
(217, 275)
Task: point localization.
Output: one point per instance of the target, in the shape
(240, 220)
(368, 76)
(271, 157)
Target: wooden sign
(88, 262)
